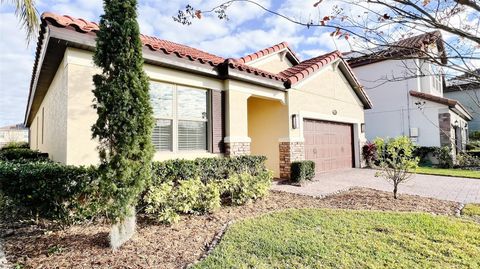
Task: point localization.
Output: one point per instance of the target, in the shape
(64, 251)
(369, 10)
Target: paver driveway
(464, 190)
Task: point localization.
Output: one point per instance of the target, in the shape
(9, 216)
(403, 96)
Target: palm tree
(27, 14)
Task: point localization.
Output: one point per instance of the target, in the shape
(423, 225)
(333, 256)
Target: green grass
(448, 172)
(471, 210)
(322, 238)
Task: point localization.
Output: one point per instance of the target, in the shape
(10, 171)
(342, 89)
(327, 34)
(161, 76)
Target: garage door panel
(328, 144)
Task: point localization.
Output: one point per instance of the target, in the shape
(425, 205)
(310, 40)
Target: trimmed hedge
(47, 189)
(203, 185)
(16, 145)
(22, 155)
(302, 170)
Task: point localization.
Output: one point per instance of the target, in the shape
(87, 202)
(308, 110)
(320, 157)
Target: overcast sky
(249, 29)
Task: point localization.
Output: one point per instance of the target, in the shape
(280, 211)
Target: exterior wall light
(362, 128)
(295, 121)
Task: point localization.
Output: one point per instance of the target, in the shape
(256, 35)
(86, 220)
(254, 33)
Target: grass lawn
(326, 238)
(448, 172)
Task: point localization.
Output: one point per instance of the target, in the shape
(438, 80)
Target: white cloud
(15, 70)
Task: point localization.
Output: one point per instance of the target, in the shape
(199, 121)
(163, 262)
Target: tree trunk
(395, 189)
(122, 231)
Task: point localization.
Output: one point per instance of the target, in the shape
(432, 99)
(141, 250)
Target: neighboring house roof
(267, 51)
(451, 103)
(60, 31)
(467, 81)
(19, 126)
(408, 47)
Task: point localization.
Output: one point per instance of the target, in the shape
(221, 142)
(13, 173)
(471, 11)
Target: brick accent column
(290, 152)
(237, 148)
(445, 128)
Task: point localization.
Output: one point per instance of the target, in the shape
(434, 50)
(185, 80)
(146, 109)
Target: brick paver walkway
(464, 190)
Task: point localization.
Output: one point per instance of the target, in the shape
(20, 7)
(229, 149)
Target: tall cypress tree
(125, 117)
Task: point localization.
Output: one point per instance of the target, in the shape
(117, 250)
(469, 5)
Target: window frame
(175, 119)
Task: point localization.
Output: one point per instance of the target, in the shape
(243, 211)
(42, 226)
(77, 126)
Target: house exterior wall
(48, 131)
(468, 99)
(326, 96)
(267, 123)
(394, 111)
(81, 115)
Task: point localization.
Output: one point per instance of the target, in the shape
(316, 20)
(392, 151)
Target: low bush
(369, 154)
(475, 135)
(466, 160)
(422, 153)
(444, 157)
(473, 145)
(202, 185)
(47, 189)
(22, 154)
(302, 170)
(16, 145)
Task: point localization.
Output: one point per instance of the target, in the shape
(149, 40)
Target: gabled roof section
(408, 47)
(308, 67)
(233, 63)
(451, 103)
(302, 70)
(268, 51)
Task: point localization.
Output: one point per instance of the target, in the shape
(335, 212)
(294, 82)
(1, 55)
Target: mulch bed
(176, 246)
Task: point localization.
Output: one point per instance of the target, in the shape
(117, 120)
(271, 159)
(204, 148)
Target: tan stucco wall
(55, 119)
(274, 63)
(318, 96)
(267, 123)
(81, 149)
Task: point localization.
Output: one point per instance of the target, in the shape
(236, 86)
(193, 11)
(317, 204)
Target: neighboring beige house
(266, 103)
(13, 133)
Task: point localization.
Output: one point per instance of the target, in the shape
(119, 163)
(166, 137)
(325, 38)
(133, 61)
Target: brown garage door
(328, 144)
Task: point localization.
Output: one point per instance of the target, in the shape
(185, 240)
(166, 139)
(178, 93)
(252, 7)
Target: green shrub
(422, 154)
(16, 145)
(444, 157)
(198, 186)
(302, 170)
(22, 154)
(47, 189)
(467, 160)
(242, 188)
(473, 145)
(475, 135)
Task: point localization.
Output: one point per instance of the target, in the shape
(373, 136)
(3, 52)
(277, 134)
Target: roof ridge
(267, 51)
(307, 67)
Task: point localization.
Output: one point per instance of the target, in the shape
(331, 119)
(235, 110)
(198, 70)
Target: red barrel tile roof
(304, 69)
(265, 52)
(155, 44)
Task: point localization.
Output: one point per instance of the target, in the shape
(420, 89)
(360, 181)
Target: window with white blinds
(181, 118)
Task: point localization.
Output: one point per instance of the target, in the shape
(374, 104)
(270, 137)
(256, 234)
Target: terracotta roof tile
(302, 70)
(233, 63)
(434, 98)
(405, 47)
(266, 51)
(155, 44)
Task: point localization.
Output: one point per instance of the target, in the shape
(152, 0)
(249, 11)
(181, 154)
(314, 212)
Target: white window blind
(181, 117)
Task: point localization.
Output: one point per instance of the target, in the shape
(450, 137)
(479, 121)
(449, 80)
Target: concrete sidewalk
(463, 190)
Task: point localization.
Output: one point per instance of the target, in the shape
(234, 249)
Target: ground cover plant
(313, 238)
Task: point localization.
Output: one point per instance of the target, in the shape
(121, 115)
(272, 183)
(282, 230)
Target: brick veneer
(290, 152)
(237, 148)
(445, 128)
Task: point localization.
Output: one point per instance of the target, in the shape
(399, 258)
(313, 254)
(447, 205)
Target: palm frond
(27, 14)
